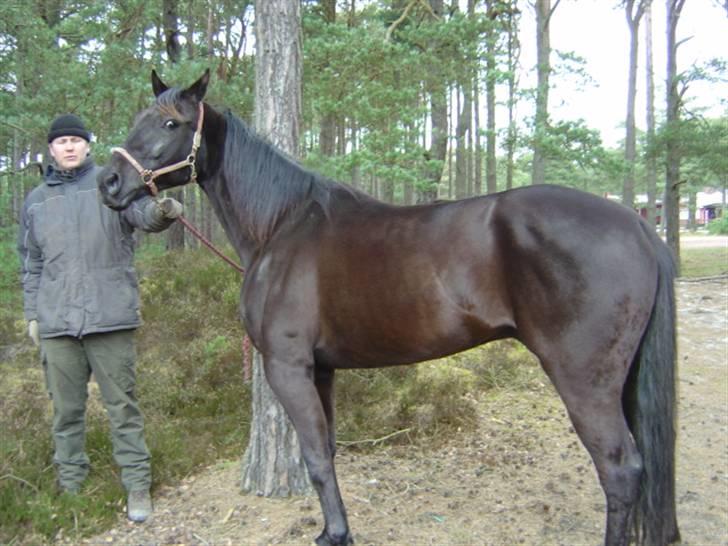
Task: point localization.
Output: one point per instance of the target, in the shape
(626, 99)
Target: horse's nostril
(112, 184)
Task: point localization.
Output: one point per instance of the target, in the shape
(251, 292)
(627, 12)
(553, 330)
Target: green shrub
(719, 226)
(11, 296)
(430, 399)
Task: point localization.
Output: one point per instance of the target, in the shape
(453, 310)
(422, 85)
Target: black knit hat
(68, 125)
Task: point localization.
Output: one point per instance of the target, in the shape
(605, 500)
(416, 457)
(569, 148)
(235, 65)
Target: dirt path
(524, 478)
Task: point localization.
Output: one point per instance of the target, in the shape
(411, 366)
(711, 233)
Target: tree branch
(21, 480)
(551, 11)
(375, 441)
(13, 126)
(404, 15)
(399, 20)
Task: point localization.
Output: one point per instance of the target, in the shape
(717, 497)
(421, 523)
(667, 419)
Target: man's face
(69, 151)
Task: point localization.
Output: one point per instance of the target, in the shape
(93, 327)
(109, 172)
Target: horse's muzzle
(109, 183)
(110, 186)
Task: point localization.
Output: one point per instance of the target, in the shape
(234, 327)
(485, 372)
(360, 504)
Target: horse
(338, 280)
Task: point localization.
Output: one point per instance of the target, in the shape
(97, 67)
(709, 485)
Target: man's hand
(171, 208)
(33, 332)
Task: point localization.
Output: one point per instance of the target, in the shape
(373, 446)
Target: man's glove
(33, 332)
(171, 208)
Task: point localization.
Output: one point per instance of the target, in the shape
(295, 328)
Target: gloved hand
(33, 332)
(171, 208)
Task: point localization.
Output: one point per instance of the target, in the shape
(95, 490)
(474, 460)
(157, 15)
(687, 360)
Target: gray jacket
(77, 255)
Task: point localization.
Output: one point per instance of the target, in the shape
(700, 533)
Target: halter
(149, 175)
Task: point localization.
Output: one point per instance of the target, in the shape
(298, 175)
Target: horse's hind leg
(292, 380)
(595, 409)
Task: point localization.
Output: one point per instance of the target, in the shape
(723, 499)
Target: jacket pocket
(52, 307)
(114, 303)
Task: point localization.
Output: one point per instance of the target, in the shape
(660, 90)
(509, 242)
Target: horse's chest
(278, 299)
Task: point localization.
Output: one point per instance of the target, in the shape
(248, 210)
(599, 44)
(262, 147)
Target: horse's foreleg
(292, 380)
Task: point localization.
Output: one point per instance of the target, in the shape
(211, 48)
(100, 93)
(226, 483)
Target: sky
(597, 31)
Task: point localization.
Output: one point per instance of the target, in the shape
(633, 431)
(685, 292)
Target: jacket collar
(55, 176)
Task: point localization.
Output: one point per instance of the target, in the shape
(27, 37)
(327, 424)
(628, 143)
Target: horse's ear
(198, 89)
(158, 85)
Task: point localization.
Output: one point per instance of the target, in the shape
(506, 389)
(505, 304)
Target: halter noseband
(149, 175)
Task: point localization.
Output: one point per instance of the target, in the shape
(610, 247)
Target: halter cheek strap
(148, 175)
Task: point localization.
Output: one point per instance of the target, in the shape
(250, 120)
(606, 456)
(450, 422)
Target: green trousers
(69, 362)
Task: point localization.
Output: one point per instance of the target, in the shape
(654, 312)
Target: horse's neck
(231, 220)
(217, 188)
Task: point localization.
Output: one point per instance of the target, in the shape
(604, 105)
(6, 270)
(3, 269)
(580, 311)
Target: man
(81, 302)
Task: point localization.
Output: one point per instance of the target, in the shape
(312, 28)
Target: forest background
(410, 100)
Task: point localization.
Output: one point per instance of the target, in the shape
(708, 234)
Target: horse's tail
(650, 403)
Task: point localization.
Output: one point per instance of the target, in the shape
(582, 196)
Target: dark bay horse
(336, 279)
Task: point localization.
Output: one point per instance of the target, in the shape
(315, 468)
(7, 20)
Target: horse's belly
(389, 340)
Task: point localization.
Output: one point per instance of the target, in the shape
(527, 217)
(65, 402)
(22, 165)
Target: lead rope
(247, 368)
(186, 223)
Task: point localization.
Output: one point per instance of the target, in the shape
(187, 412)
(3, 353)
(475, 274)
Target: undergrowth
(719, 226)
(189, 383)
(196, 405)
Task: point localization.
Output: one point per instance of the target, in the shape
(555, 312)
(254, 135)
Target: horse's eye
(171, 124)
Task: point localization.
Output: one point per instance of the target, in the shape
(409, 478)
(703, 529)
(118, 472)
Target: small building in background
(710, 205)
(705, 206)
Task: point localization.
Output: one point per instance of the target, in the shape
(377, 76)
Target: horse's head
(160, 151)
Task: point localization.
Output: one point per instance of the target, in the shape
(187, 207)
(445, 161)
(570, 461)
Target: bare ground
(523, 478)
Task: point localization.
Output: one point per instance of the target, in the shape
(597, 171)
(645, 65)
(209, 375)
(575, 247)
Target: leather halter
(149, 175)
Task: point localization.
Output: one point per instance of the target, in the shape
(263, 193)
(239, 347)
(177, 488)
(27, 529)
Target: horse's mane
(265, 183)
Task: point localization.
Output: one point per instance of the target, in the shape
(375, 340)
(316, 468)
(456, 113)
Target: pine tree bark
(175, 233)
(671, 204)
(634, 15)
(437, 153)
(651, 160)
(272, 463)
(490, 71)
(513, 56)
(544, 11)
(461, 131)
(327, 133)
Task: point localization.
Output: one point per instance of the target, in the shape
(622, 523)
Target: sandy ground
(523, 478)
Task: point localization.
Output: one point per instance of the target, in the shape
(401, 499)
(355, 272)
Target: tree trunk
(461, 181)
(272, 464)
(472, 74)
(513, 55)
(490, 72)
(543, 68)
(190, 34)
(692, 209)
(650, 160)
(356, 167)
(171, 30)
(436, 155)
(175, 233)
(192, 208)
(630, 140)
(327, 133)
(671, 206)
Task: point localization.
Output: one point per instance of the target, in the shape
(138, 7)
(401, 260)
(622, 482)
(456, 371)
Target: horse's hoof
(325, 540)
